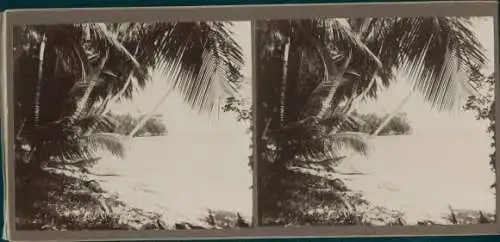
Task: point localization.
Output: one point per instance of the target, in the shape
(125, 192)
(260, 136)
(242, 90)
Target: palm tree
(298, 63)
(441, 85)
(50, 116)
(312, 74)
(392, 115)
(85, 66)
(147, 117)
(201, 60)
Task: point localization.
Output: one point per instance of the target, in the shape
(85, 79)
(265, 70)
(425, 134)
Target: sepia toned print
(299, 120)
(132, 126)
(376, 121)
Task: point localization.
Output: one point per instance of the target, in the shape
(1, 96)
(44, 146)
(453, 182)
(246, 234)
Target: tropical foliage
(313, 73)
(369, 122)
(66, 76)
(77, 69)
(125, 123)
(484, 105)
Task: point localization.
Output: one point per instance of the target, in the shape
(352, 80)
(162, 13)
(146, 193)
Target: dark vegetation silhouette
(125, 123)
(369, 122)
(65, 78)
(484, 106)
(311, 77)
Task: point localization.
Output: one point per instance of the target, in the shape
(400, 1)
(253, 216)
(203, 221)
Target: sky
(177, 115)
(424, 120)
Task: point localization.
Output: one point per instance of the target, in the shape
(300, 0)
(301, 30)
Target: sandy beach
(165, 175)
(181, 176)
(422, 176)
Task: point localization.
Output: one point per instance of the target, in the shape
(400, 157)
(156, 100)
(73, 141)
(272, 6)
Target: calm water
(182, 175)
(423, 175)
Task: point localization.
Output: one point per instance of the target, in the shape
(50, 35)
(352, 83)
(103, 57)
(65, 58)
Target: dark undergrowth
(305, 198)
(309, 199)
(66, 198)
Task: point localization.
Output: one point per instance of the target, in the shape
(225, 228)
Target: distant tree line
(125, 123)
(369, 122)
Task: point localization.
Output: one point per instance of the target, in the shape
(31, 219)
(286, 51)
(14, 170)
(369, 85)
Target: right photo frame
(382, 121)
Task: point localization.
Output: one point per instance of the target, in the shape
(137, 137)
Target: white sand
(182, 175)
(423, 175)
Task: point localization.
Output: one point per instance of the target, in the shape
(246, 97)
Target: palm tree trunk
(39, 81)
(351, 106)
(357, 100)
(392, 115)
(92, 83)
(145, 119)
(111, 99)
(284, 82)
(123, 89)
(20, 130)
(336, 82)
(218, 108)
(104, 106)
(115, 98)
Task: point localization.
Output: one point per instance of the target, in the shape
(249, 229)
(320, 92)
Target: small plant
(460, 217)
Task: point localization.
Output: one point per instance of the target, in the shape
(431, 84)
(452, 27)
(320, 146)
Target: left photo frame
(132, 126)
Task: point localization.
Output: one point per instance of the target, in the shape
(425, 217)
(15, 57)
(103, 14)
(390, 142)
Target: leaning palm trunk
(122, 91)
(357, 100)
(336, 81)
(352, 105)
(148, 116)
(107, 107)
(92, 83)
(128, 82)
(284, 83)
(392, 115)
(39, 81)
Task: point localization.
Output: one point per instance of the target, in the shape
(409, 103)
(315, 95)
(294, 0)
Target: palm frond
(348, 140)
(108, 141)
(100, 32)
(97, 122)
(438, 52)
(324, 147)
(200, 60)
(347, 41)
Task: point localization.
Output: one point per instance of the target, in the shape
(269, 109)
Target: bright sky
(177, 115)
(429, 122)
